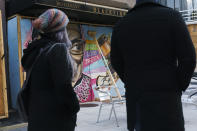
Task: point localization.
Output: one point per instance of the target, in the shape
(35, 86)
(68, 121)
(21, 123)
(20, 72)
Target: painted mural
(93, 65)
(77, 49)
(103, 37)
(14, 72)
(84, 89)
(89, 63)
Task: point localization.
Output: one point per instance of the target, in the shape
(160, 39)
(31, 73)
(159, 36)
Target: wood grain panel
(20, 50)
(193, 32)
(3, 92)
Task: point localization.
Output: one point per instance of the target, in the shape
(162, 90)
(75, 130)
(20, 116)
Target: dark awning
(76, 10)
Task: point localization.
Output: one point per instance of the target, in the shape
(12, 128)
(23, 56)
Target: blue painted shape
(121, 88)
(26, 31)
(95, 65)
(13, 60)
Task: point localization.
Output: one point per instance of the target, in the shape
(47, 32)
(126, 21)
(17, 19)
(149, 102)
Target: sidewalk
(87, 119)
(88, 115)
(190, 114)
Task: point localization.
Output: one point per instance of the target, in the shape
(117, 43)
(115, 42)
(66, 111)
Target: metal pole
(174, 4)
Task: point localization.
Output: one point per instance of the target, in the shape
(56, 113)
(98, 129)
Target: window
(163, 2)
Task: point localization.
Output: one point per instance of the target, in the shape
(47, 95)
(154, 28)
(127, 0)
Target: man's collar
(145, 1)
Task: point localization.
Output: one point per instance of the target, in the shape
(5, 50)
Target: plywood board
(193, 32)
(20, 50)
(3, 92)
(19, 31)
(14, 70)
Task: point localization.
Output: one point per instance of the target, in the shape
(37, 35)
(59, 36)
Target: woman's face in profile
(76, 49)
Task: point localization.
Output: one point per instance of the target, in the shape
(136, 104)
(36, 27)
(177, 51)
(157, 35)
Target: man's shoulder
(162, 12)
(149, 6)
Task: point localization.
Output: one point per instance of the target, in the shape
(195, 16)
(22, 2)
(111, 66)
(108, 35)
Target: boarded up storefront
(3, 93)
(84, 18)
(19, 32)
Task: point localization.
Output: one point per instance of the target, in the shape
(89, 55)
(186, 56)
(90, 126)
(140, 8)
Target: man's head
(138, 1)
(132, 3)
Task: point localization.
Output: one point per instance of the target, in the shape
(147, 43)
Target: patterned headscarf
(52, 20)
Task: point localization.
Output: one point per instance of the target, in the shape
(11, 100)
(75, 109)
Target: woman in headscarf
(53, 104)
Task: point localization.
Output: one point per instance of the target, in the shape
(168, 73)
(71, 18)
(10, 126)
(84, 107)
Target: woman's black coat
(52, 102)
(154, 56)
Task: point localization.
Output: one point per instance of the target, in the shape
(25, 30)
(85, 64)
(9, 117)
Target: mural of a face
(76, 50)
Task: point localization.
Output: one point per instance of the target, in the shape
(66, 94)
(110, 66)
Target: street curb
(6, 128)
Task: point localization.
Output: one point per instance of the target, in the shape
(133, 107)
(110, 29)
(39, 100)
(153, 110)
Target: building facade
(99, 18)
(180, 5)
(125, 4)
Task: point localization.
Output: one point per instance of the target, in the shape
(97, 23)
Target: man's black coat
(154, 56)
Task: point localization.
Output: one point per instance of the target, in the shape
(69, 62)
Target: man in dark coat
(154, 56)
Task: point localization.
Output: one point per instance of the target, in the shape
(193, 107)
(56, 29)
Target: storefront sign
(84, 7)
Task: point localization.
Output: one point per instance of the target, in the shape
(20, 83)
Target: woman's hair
(62, 37)
(35, 34)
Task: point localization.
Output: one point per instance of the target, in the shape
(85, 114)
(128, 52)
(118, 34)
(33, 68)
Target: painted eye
(75, 48)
